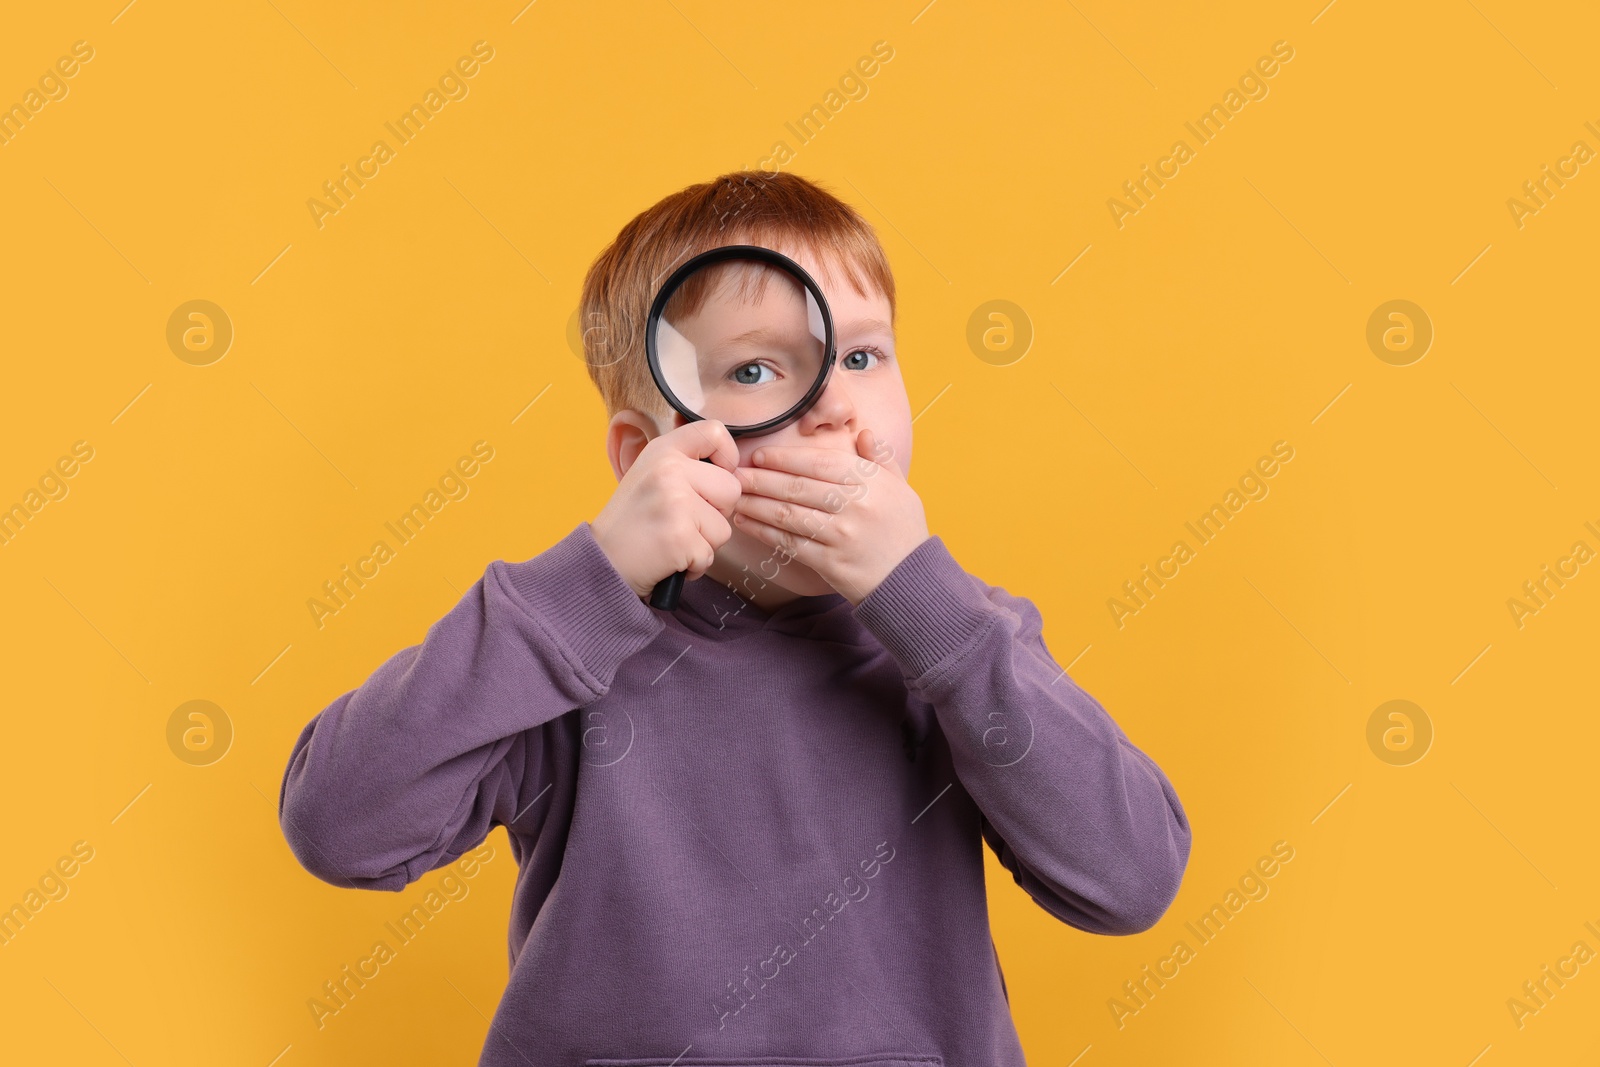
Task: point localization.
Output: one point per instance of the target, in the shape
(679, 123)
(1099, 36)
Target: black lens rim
(716, 255)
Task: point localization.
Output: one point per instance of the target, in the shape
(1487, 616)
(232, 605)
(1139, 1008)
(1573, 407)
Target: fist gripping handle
(667, 591)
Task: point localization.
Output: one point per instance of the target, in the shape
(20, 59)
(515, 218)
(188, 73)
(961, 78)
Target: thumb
(870, 446)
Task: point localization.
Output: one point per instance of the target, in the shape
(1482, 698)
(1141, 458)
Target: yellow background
(1227, 314)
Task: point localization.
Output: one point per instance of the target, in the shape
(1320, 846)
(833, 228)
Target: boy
(750, 830)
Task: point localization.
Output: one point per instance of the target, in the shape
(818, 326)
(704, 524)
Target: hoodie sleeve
(443, 742)
(1087, 824)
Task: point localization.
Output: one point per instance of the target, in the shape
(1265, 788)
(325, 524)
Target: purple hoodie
(742, 837)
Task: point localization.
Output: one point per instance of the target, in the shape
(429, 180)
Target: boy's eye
(750, 374)
(868, 358)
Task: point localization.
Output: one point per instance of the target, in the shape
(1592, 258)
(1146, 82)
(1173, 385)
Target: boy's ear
(627, 434)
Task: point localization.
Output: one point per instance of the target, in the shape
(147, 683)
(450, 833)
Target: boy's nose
(834, 409)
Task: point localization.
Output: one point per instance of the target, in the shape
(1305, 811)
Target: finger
(824, 464)
(725, 453)
(792, 547)
(717, 487)
(797, 488)
(714, 531)
(809, 523)
(706, 439)
(870, 446)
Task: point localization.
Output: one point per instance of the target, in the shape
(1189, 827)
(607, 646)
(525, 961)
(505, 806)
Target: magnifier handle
(667, 591)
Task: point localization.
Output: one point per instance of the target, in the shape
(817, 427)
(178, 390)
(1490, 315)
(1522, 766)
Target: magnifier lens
(740, 341)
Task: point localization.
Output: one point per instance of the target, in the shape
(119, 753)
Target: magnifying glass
(740, 334)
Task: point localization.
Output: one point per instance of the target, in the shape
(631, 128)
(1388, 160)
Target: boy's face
(864, 391)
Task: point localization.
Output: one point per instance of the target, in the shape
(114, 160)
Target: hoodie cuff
(927, 612)
(576, 595)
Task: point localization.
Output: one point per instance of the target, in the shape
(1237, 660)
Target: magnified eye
(750, 374)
